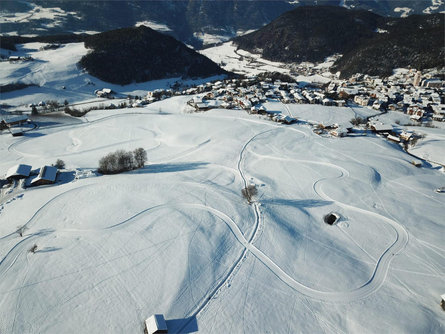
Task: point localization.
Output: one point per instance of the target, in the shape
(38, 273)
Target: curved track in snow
(370, 286)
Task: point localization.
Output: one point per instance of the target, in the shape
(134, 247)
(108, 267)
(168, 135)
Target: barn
(47, 175)
(14, 120)
(156, 324)
(18, 172)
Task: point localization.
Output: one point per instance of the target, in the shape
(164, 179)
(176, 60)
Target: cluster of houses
(311, 69)
(104, 92)
(14, 59)
(391, 133)
(421, 96)
(248, 94)
(40, 176)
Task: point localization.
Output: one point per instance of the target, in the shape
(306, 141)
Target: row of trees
(122, 161)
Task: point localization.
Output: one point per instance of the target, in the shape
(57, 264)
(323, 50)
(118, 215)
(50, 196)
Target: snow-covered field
(36, 12)
(58, 77)
(240, 61)
(176, 237)
(431, 147)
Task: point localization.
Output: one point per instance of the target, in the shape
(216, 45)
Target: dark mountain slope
(141, 54)
(417, 41)
(311, 33)
(184, 18)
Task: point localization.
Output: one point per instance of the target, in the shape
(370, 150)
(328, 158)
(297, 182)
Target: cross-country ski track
(211, 195)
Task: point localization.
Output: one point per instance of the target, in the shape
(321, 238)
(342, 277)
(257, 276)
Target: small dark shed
(331, 218)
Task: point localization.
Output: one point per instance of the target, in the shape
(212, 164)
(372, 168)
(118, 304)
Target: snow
(209, 39)
(154, 25)
(55, 14)
(431, 147)
(52, 70)
(240, 61)
(405, 11)
(176, 237)
(381, 31)
(435, 5)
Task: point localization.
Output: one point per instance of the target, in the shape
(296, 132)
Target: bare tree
(108, 164)
(121, 161)
(249, 192)
(60, 164)
(125, 160)
(140, 157)
(21, 230)
(33, 249)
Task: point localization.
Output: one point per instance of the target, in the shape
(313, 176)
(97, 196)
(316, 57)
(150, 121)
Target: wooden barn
(18, 172)
(47, 175)
(156, 324)
(15, 120)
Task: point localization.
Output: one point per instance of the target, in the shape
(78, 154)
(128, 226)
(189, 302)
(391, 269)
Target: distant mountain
(141, 54)
(311, 33)
(184, 20)
(189, 21)
(370, 43)
(416, 41)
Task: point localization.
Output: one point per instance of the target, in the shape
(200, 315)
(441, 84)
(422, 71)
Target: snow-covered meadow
(176, 237)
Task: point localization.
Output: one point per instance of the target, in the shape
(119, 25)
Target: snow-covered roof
(201, 105)
(381, 127)
(15, 119)
(47, 173)
(18, 170)
(155, 323)
(393, 138)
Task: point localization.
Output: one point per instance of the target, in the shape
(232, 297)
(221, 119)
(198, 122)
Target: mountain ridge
(370, 43)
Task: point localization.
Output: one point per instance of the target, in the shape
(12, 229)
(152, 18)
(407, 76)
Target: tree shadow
(32, 134)
(305, 203)
(65, 177)
(183, 326)
(169, 168)
(48, 249)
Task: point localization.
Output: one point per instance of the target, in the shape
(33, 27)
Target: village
(419, 96)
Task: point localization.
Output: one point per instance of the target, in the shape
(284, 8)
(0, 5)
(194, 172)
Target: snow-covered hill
(177, 237)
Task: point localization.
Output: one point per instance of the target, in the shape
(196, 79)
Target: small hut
(156, 324)
(442, 302)
(331, 218)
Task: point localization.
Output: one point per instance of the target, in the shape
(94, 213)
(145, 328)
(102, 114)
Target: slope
(370, 44)
(311, 33)
(142, 54)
